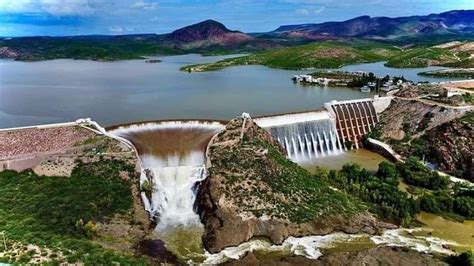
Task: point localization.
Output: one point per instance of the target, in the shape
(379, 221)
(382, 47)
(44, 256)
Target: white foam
(174, 176)
(405, 238)
(281, 120)
(152, 126)
(310, 246)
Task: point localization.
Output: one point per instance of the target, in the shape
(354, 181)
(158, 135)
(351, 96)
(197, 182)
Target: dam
(337, 127)
(172, 153)
(172, 157)
(304, 135)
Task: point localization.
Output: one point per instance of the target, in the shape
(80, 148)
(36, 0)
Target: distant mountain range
(452, 22)
(212, 37)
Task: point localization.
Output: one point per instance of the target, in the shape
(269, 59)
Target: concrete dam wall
(325, 132)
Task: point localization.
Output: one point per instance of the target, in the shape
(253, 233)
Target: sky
(82, 17)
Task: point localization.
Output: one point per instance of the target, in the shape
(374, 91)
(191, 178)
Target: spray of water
(173, 162)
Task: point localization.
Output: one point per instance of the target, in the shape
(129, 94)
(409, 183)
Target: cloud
(302, 11)
(68, 7)
(116, 29)
(310, 11)
(120, 30)
(144, 5)
(306, 2)
(51, 7)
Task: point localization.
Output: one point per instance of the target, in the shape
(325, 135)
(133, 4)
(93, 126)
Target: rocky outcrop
(373, 256)
(451, 147)
(410, 117)
(9, 53)
(442, 135)
(253, 191)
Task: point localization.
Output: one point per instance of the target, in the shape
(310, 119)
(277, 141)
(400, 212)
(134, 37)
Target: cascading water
(172, 156)
(304, 135)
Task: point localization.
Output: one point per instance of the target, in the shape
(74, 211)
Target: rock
(373, 256)
(253, 194)
(156, 249)
(411, 117)
(451, 147)
(7, 52)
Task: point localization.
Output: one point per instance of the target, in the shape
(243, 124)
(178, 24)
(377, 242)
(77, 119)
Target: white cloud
(310, 11)
(116, 29)
(307, 2)
(303, 11)
(120, 30)
(15, 6)
(52, 7)
(68, 7)
(144, 5)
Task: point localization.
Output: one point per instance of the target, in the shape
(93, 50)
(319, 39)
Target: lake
(120, 92)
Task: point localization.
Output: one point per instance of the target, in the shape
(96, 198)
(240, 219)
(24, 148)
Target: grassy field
(59, 214)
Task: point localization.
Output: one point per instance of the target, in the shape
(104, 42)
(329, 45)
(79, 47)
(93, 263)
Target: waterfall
(303, 134)
(172, 156)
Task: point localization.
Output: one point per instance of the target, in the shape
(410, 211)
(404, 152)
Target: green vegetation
(335, 54)
(100, 49)
(329, 54)
(370, 77)
(274, 186)
(425, 56)
(451, 73)
(59, 213)
(415, 173)
(380, 190)
(463, 259)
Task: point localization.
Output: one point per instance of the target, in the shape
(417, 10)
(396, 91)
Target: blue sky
(77, 17)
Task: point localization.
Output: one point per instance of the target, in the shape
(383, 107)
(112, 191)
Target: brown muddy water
(172, 156)
(365, 158)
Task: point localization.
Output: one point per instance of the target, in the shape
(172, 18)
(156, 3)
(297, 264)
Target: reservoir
(128, 91)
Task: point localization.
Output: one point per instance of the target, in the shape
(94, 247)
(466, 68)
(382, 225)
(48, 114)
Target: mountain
(208, 32)
(457, 22)
(212, 37)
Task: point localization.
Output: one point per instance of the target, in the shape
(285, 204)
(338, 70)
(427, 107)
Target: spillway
(304, 135)
(172, 156)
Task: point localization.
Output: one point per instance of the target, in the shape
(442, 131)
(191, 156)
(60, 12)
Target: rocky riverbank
(253, 191)
(373, 256)
(450, 146)
(436, 132)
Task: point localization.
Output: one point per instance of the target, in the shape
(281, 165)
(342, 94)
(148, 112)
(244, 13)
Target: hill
(335, 54)
(328, 54)
(209, 31)
(211, 37)
(253, 190)
(456, 22)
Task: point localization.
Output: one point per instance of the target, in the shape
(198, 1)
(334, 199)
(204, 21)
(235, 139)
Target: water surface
(126, 91)
(365, 158)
